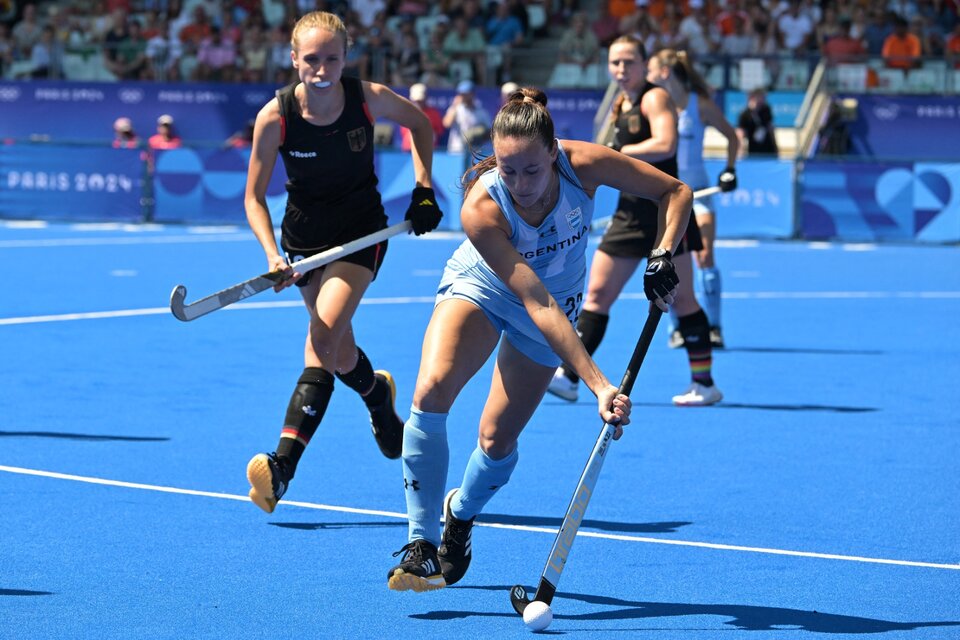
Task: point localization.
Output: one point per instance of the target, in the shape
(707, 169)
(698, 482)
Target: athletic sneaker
(455, 548)
(419, 569)
(698, 395)
(563, 387)
(269, 477)
(716, 338)
(386, 425)
(675, 341)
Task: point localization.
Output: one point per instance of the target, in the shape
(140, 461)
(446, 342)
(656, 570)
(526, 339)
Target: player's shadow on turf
(743, 405)
(315, 526)
(79, 436)
(24, 592)
(602, 525)
(744, 617)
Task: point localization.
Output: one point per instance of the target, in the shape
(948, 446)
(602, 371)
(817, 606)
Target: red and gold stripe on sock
(701, 365)
(293, 434)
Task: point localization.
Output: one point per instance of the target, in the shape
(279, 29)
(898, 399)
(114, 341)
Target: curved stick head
(177, 297)
(519, 598)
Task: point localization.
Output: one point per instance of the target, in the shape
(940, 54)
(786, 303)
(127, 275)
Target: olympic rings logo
(9, 94)
(131, 96)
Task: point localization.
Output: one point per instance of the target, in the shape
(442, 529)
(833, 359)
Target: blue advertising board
(876, 201)
(906, 127)
(760, 207)
(203, 113)
(76, 183)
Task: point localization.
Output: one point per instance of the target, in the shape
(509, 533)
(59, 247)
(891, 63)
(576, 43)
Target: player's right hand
(279, 263)
(660, 280)
(614, 409)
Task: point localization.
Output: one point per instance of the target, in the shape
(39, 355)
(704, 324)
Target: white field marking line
(493, 525)
(247, 306)
(92, 242)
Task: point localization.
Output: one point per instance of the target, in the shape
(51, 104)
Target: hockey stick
(588, 479)
(601, 223)
(247, 288)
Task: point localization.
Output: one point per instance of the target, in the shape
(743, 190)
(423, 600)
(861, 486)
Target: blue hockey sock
(425, 461)
(482, 478)
(710, 283)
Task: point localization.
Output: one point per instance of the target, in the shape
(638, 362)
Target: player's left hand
(424, 213)
(727, 180)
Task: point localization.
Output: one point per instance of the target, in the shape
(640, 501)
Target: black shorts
(303, 235)
(633, 231)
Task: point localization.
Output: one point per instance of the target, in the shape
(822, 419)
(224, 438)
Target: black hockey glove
(424, 213)
(660, 280)
(727, 180)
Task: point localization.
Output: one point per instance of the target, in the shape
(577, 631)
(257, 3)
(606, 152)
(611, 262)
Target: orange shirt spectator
(952, 46)
(621, 8)
(901, 49)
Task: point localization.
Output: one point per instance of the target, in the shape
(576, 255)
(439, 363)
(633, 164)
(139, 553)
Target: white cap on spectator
(418, 92)
(165, 119)
(123, 124)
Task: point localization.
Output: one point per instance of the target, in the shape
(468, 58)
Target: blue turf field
(821, 498)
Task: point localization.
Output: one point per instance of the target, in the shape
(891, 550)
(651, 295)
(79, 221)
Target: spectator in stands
(755, 125)
(279, 67)
(843, 47)
(506, 89)
(357, 61)
(367, 10)
(467, 120)
(254, 54)
(827, 28)
(901, 49)
(165, 137)
(407, 61)
(796, 29)
(465, 47)
(906, 9)
(503, 31)
(124, 136)
(931, 41)
(738, 42)
(242, 139)
(379, 48)
(606, 27)
(877, 31)
(45, 55)
(697, 30)
(26, 32)
(858, 24)
(216, 58)
(435, 63)
(125, 54)
(418, 96)
(952, 47)
(579, 45)
(726, 20)
(163, 54)
(472, 12)
(7, 48)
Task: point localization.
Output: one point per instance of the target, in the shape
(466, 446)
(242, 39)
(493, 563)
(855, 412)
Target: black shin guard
(590, 327)
(695, 329)
(363, 381)
(304, 413)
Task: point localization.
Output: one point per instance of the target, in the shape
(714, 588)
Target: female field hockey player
(645, 122)
(519, 275)
(696, 110)
(322, 128)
